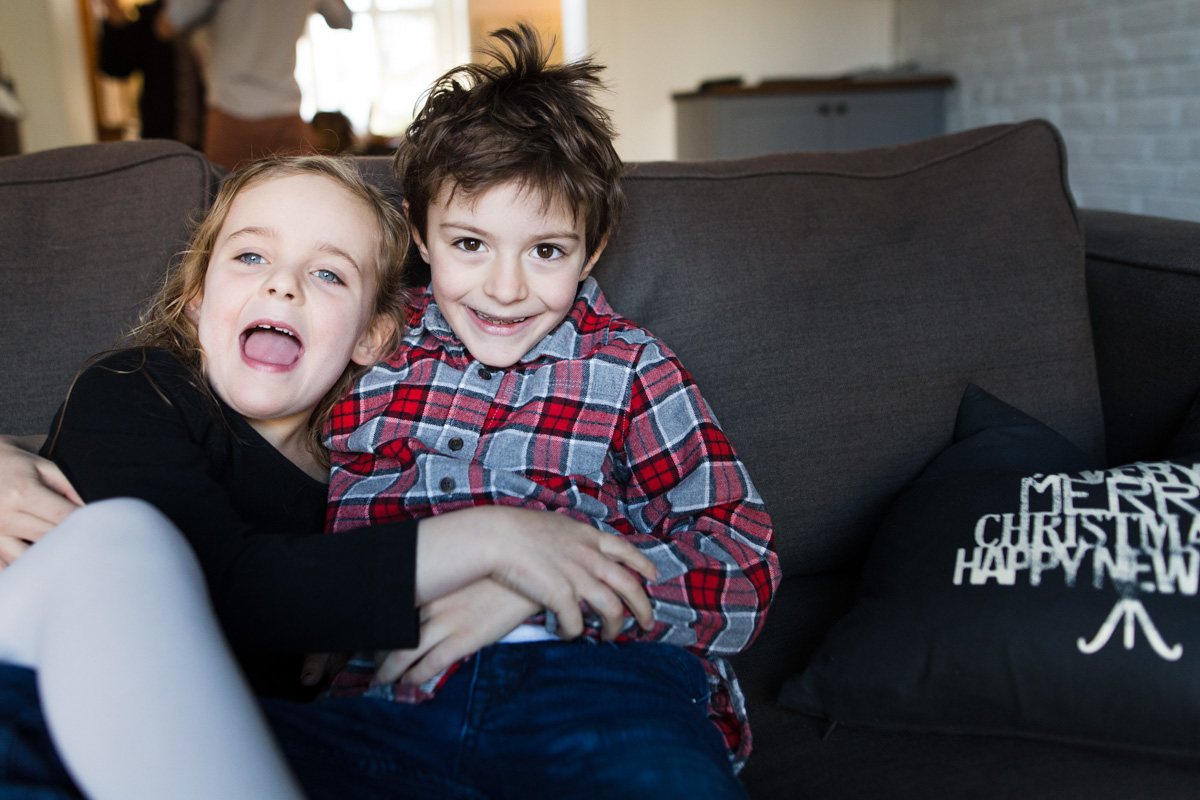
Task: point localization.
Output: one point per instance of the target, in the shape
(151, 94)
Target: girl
(290, 285)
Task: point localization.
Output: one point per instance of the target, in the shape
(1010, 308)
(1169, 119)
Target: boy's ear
(374, 339)
(416, 235)
(591, 262)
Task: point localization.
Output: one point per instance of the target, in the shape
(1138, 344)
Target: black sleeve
(125, 434)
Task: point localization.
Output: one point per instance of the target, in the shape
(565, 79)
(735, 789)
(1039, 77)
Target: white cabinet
(731, 120)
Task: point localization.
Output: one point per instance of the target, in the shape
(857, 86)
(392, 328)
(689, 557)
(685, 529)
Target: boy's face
(504, 269)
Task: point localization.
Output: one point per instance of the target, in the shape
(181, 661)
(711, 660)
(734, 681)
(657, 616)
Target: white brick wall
(1120, 78)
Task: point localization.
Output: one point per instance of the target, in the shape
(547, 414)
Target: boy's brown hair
(519, 120)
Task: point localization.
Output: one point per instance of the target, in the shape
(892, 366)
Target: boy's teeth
(497, 321)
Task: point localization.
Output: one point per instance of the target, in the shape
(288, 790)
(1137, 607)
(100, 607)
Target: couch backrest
(84, 233)
(832, 306)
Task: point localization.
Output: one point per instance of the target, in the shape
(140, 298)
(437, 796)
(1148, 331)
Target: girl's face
(288, 299)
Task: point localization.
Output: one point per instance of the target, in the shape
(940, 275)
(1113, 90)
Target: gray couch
(832, 307)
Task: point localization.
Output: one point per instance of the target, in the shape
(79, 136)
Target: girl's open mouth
(271, 344)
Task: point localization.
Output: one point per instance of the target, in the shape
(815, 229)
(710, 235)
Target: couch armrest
(1143, 278)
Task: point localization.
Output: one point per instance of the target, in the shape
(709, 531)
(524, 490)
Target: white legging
(139, 689)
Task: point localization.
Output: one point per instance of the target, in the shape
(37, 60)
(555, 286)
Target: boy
(518, 384)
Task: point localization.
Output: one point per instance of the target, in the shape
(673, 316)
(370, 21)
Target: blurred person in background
(334, 133)
(171, 102)
(250, 64)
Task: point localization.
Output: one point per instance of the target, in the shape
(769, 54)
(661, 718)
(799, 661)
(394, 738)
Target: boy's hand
(34, 497)
(452, 628)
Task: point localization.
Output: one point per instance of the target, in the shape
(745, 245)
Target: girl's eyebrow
(271, 233)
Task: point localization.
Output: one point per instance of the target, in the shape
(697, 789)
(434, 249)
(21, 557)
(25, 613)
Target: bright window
(376, 73)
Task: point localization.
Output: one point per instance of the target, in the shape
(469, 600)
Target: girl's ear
(191, 309)
(416, 236)
(374, 339)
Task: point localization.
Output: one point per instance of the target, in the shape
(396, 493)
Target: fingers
(314, 668)
(608, 607)
(454, 627)
(557, 585)
(34, 494)
(572, 566)
(23, 527)
(53, 477)
(395, 663)
(11, 549)
(631, 592)
(608, 587)
(439, 658)
(622, 551)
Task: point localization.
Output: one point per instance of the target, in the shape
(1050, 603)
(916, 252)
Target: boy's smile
(288, 299)
(505, 268)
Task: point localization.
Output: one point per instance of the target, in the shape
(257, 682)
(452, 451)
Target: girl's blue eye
(329, 276)
(251, 258)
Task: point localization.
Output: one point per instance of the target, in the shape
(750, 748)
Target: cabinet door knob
(823, 109)
(840, 108)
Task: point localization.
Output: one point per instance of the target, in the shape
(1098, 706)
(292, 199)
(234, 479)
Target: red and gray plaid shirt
(599, 421)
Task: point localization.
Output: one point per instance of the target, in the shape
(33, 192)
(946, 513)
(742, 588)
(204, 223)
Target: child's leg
(548, 719)
(578, 719)
(139, 689)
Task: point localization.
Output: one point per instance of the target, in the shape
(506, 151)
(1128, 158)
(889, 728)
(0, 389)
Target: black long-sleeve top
(135, 424)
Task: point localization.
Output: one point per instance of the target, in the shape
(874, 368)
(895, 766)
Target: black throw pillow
(1015, 588)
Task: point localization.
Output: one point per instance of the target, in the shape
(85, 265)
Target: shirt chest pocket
(535, 443)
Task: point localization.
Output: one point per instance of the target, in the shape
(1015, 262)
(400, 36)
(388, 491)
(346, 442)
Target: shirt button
(447, 485)
(455, 444)
(483, 373)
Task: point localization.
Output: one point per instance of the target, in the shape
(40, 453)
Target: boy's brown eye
(546, 251)
(470, 245)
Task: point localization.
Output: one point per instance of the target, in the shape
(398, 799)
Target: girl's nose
(282, 284)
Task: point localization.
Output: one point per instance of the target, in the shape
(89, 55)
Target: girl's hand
(34, 497)
(319, 666)
(453, 627)
(549, 558)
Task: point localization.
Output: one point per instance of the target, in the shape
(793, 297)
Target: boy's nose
(505, 281)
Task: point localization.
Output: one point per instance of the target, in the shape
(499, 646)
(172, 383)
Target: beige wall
(486, 16)
(654, 48)
(42, 45)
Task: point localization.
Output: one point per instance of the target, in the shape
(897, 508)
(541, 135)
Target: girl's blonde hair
(165, 323)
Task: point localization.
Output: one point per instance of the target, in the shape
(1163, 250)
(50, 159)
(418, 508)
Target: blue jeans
(547, 719)
(29, 767)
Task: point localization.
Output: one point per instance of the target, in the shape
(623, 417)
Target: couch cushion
(806, 758)
(833, 305)
(1143, 293)
(1015, 589)
(84, 234)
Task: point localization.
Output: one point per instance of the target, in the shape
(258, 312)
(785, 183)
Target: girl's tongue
(272, 347)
